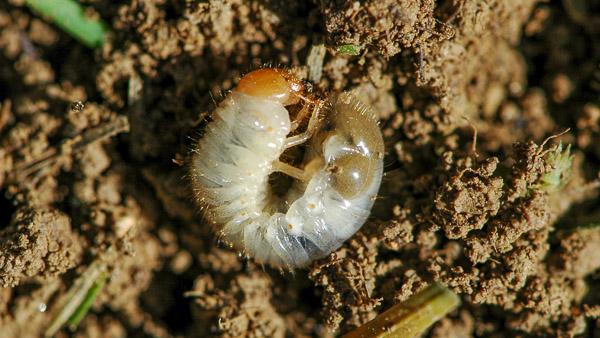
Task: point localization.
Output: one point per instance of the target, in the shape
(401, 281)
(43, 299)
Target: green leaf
(79, 293)
(87, 302)
(561, 161)
(70, 17)
(349, 49)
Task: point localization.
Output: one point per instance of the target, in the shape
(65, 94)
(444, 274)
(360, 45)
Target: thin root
(75, 144)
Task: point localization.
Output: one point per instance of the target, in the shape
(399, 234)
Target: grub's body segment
(232, 162)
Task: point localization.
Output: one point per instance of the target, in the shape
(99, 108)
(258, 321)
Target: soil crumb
(38, 242)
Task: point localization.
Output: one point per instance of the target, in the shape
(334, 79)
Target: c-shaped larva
(334, 188)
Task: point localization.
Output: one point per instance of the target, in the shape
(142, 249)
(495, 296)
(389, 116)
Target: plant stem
(412, 317)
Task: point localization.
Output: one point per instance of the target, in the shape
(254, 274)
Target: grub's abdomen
(233, 159)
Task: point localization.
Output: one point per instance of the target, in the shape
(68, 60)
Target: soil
(93, 143)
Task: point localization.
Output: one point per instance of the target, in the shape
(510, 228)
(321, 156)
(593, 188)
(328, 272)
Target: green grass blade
(70, 17)
(71, 302)
(87, 302)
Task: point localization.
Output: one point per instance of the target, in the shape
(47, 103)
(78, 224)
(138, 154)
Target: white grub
(333, 188)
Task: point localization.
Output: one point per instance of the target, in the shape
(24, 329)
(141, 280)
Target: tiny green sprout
(71, 308)
(70, 17)
(560, 161)
(87, 302)
(412, 317)
(349, 49)
(75, 304)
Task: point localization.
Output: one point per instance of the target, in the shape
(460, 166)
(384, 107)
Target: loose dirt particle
(38, 242)
(498, 236)
(242, 309)
(469, 199)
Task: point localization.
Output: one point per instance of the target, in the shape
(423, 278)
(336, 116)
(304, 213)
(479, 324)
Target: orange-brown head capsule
(271, 83)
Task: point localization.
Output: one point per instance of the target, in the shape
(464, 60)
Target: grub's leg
(299, 117)
(290, 170)
(312, 126)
